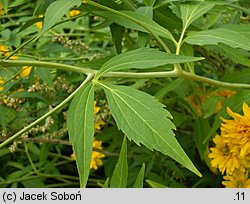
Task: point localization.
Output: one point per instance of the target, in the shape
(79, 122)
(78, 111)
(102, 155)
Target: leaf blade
(56, 11)
(81, 129)
(139, 179)
(142, 58)
(215, 36)
(120, 174)
(142, 23)
(144, 121)
(192, 11)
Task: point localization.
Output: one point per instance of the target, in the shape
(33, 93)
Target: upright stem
(177, 67)
(18, 134)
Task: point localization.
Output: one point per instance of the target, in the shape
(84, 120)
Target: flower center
(225, 150)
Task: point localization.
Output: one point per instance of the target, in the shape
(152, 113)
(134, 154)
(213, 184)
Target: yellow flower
(39, 24)
(96, 156)
(1, 9)
(74, 12)
(25, 71)
(223, 158)
(98, 120)
(5, 52)
(96, 108)
(237, 131)
(1, 83)
(238, 179)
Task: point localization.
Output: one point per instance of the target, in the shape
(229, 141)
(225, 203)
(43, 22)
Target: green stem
(175, 73)
(11, 63)
(137, 75)
(177, 67)
(15, 15)
(18, 134)
(29, 158)
(52, 59)
(162, 44)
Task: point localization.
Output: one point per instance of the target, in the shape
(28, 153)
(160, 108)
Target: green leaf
(130, 4)
(234, 54)
(215, 36)
(192, 11)
(106, 184)
(154, 184)
(117, 32)
(175, 84)
(139, 179)
(45, 75)
(201, 127)
(144, 120)
(80, 123)
(237, 77)
(143, 37)
(120, 174)
(142, 58)
(17, 3)
(56, 11)
(140, 22)
(6, 115)
(188, 50)
(243, 29)
(210, 105)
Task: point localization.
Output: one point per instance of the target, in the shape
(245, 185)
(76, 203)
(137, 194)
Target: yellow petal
(234, 115)
(246, 110)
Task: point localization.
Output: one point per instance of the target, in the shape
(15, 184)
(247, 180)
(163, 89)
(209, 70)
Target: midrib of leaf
(191, 15)
(153, 130)
(189, 18)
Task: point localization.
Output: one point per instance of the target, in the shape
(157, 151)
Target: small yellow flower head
(237, 130)
(4, 51)
(96, 156)
(239, 179)
(74, 12)
(98, 120)
(1, 83)
(1, 9)
(25, 71)
(39, 24)
(223, 158)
